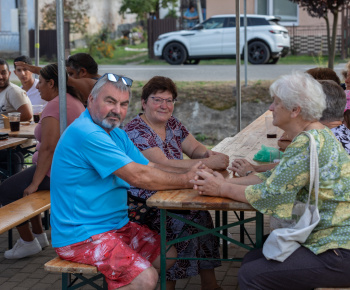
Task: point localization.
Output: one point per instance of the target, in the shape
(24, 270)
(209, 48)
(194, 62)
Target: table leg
(259, 229)
(225, 233)
(162, 249)
(241, 227)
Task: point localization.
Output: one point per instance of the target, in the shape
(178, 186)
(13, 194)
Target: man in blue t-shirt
(93, 165)
(191, 15)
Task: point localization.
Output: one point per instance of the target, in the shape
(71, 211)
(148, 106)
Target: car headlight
(161, 37)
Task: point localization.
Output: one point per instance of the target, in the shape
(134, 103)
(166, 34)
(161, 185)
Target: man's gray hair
(335, 99)
(103, 80)
(300, 90)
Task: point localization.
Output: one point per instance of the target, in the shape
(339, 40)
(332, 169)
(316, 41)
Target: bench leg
(46, 220)
(10, 239)
(66, 278)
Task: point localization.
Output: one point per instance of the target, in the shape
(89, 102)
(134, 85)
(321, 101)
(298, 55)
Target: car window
(255, 21)
(214, 23)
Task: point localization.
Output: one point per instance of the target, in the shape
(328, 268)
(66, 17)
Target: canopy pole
(36, 36)
(238, 67)
(245, 45)
(61, 65)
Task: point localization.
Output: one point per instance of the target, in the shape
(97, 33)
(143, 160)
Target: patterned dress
(289, 181)
(342, 133)
(203, 247)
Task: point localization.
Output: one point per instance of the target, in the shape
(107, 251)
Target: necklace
(161, 132)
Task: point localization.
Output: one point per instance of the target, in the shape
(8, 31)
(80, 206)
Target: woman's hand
(218, 161)
(241, 167)
(30, 189)
(207, 183)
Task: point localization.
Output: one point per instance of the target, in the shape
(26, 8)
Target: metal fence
(311, 40)
(155, 28)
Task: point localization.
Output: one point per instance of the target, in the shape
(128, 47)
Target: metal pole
(238, 68)
(36, 36)
(245, 45)
(199, 9)
(61, 65)
(23, 24)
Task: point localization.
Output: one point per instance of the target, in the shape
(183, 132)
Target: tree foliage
(143, 7)
(320, 9)
(74, 10)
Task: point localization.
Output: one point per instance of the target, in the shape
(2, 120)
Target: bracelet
(248, 172)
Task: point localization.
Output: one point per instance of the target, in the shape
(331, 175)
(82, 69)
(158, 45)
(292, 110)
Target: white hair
(300, 90)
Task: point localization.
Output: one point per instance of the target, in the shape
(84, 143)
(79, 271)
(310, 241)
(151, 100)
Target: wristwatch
(248, 172)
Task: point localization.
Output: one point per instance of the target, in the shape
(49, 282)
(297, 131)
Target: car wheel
(175, 53)
(258, 53)
(192, 61)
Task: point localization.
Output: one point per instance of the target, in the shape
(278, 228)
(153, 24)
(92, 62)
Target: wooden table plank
(23, 209)
(11, 142)
(188, 199)
(26, 131)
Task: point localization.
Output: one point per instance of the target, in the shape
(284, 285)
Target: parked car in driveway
(216, 38)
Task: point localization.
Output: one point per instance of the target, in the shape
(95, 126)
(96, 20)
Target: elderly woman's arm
(215, 185)
(212, 160)
(50, 132)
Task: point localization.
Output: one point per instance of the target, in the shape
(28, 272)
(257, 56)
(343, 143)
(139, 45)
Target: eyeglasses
(159, 101)
(114, 78)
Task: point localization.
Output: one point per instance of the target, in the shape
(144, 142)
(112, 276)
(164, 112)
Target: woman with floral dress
(163, 139)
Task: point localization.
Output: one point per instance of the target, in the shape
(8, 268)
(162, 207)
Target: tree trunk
(334, 39)
(328, 33)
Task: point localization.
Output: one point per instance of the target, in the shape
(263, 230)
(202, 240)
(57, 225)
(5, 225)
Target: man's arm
(26, 112)
(152, 178)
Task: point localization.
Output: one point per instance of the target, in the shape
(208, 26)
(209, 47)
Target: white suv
(216, 38)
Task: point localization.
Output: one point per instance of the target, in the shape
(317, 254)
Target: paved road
(203, 72)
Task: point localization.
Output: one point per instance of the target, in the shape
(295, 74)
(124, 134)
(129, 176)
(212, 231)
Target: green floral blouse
(289, 181)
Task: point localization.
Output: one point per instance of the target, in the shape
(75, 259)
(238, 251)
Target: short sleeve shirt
(145, 138)
(12, 98)
(289, 181)
(86, 197)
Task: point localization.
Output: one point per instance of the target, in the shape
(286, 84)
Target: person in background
(324, 258)
(318, 73)
(28, 82)
(12, 97)
(162, 139)
(37, 177)
(191, 15)
(82, 72)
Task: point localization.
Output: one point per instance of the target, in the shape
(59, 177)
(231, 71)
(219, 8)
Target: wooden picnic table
(26, 131)
(245, 144)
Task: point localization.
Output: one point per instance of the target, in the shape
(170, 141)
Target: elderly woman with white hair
(324, 258)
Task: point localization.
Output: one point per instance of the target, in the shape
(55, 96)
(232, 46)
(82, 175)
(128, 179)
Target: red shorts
(120, 255)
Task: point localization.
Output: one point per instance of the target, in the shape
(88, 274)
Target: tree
(321, 8)
(74, 10)
(143, 7)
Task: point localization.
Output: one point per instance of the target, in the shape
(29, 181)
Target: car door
(229, 35)
(208, 39)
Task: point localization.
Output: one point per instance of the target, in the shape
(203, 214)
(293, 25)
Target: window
(213, 23)
(285, 9)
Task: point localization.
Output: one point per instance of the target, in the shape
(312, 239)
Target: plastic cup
(14, 119)
(271, 130)
(6, 123)
(37, 109)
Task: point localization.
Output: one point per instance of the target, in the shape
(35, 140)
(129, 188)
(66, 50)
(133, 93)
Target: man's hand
(218, 161)
(241, 167)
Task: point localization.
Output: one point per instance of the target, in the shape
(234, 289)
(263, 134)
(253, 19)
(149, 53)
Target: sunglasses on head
(114, 78)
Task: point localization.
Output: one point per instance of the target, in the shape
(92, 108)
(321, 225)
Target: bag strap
(314, 168)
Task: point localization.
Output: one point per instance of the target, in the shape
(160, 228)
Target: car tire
(192, 61)
(258, 52)
(175, 53)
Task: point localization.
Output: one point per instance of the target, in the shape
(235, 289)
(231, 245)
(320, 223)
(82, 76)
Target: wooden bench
(21, 210)
(67, 269)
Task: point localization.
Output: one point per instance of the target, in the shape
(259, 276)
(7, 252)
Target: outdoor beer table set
(245, 144)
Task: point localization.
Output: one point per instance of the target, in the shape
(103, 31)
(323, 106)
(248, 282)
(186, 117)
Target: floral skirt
(206, 246)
